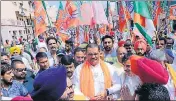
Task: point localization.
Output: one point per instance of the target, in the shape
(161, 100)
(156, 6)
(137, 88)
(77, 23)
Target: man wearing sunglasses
(10, 87)
(22, 74)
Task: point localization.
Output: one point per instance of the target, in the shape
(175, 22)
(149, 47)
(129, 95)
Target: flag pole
(43, 3)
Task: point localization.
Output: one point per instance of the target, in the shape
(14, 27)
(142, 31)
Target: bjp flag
(39, 18)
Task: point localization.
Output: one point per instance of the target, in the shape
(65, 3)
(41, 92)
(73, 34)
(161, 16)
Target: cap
(60, 52)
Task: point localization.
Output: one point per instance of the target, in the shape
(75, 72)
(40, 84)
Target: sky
(56, 3)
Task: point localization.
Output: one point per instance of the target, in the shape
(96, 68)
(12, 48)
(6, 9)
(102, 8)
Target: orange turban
(141, 42)
(15, 48)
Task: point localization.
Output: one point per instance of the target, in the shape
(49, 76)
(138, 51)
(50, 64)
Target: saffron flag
(122, 18)
(143, 20)
(39, 18)
(61, 18)
(73, 14)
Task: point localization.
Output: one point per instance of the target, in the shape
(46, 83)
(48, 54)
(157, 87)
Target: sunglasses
(128, 48)
(15, 52)
(21, 69)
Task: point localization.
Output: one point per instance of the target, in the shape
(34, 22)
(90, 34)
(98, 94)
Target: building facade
(16, 20)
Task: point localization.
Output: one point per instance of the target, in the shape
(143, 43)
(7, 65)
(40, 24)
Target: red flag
(158, 10)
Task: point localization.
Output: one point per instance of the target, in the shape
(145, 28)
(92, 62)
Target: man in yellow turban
(15, 51)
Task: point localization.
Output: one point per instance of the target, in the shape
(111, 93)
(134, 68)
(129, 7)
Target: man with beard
(79, 56)
(42, 61)
(95, 79)
(67, 61)
(110, 53)
(5, 57)
(23, 75)
(166, 59)
(52, 47)
(140, 47)
(9, 87)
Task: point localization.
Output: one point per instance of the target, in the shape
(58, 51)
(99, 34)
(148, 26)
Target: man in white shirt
(128, 79)
(52, 47)
(95, 79)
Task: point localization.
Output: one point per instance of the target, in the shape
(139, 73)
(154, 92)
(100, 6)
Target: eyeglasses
(20, 69)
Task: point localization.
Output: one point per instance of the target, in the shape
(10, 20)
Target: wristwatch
(107, 92)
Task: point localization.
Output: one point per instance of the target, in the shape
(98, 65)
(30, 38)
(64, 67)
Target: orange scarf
(87, 82)
(172, 72)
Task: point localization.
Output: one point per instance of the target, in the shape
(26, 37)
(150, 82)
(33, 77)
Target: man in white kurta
(92, 55)
(128, 79)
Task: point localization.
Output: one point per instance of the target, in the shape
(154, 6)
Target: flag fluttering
(143, 20)
(39, 18)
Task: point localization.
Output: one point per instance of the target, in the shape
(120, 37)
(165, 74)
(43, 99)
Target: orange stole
(87, 82)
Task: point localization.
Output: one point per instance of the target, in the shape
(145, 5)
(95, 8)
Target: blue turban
(50, 84)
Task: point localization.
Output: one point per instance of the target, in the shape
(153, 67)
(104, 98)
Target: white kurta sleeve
(115, 80)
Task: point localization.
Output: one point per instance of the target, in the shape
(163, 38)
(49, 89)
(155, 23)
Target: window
(20, 32)
(14, 33)
(28, 22)
(28, 31)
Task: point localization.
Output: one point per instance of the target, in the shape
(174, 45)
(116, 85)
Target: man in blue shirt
(23, 75)
(10, 87)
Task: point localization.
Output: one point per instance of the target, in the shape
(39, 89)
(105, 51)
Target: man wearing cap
(95, 79)
(60, 53)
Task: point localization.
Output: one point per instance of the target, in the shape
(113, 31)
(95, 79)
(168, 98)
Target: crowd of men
(90, 71)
